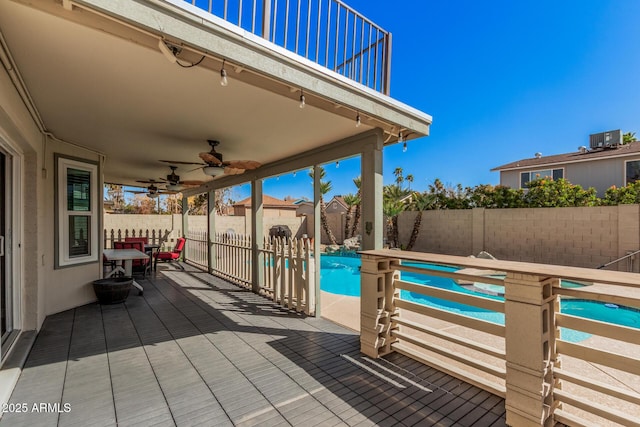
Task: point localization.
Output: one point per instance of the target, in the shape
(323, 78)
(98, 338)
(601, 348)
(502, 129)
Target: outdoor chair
(144, 240)
(138, 264)
(174, 255)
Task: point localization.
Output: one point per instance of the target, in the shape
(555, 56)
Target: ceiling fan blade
(135, 192)
(149, 181)
(210, 159)
(244, 164)
(177, 162)
(230, 170)
(191, 183)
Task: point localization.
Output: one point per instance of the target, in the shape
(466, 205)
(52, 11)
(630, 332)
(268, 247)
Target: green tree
(325, 187)
(547, 192)
(419, 203)
(629, 137)
(351, 200)
(356, 215)
(394, 202)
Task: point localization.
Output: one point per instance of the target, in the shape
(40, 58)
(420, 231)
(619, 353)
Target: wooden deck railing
(287, 265)
(543, 377)
(155, 236)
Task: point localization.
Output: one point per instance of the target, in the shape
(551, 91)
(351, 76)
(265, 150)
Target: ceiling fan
(152, 190)
(215, 165)
(174, 183)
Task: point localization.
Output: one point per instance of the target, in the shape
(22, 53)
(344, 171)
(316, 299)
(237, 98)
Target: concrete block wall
(448, 232)
(581, 237)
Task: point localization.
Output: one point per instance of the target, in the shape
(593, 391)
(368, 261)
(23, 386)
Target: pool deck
(196, 350)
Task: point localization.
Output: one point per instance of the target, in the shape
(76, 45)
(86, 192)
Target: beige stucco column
(211, 229)
(316, 237)
(530, 349)
(371, 192)
(257, 238)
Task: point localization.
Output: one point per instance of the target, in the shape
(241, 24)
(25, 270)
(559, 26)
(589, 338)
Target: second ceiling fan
(215, 165)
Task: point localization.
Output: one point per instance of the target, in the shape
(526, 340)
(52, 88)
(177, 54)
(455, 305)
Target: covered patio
(196, 350)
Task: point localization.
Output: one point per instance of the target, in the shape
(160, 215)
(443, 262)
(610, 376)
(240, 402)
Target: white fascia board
(179, 20)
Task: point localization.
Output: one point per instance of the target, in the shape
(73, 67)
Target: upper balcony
(327, 32)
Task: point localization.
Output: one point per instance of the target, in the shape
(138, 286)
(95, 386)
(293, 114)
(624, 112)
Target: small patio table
(126, 255)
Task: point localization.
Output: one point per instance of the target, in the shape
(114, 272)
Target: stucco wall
(581, 237)
(19, 136)
(600, 174)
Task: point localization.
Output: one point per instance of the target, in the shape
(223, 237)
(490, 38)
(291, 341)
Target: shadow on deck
(196, 350)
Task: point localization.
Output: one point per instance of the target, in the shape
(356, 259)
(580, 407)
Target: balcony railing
(327, 32)
(544, 376)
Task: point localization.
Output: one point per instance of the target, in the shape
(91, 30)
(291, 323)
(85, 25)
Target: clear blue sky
(502, 79)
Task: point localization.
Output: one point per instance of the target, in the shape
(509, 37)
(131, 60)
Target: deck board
(196, 350)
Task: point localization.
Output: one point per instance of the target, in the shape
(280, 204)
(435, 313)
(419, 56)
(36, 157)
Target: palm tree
(393, 203)
(356, 215)
(629, 137)
(398, 174)
(350, 200)
(325, 187)
(419, 203)
(409, 178)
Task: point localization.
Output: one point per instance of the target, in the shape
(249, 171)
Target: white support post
(371, 191)
(257, 241)
(377, 305)
(211, 230)
(317, 235)
(530, 349)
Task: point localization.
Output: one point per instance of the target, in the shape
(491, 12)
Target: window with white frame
(76, 211)
(525, 177)
(632, 171)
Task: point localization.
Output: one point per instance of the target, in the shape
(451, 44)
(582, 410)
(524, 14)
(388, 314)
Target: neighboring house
(95, 91)
(596, 167)
(337, 205)
(304, 208)
(271, 207)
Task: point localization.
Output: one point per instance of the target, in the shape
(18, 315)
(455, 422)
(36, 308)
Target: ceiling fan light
(213, 170)
(153, 195)
(174, 187)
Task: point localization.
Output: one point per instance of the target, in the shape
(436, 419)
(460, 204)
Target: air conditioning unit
(609, 139)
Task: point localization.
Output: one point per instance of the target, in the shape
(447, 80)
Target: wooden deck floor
(195, 350)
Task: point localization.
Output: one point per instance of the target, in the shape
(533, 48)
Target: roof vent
(582, 149)
(609, 139)
(538, 155)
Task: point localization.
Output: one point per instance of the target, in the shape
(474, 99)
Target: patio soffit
(99, 80)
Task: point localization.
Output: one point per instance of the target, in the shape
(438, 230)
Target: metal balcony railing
(327, 32)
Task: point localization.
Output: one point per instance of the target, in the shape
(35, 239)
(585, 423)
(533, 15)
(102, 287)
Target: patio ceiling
(104, 85)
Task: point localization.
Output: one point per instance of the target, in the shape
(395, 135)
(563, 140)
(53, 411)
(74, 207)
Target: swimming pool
(341, 275)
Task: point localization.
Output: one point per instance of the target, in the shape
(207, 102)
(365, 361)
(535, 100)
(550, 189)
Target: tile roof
(624, 150)
(269, 202)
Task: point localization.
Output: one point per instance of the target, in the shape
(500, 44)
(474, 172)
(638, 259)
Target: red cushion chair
(137, 264)
(144, 240)
(174, 254)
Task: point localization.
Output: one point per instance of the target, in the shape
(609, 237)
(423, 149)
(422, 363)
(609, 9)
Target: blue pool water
(341, 275)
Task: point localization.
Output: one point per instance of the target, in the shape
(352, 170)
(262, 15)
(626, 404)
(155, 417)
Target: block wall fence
(581, 237)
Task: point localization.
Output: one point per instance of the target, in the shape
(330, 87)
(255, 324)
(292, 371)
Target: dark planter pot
(113, 290)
